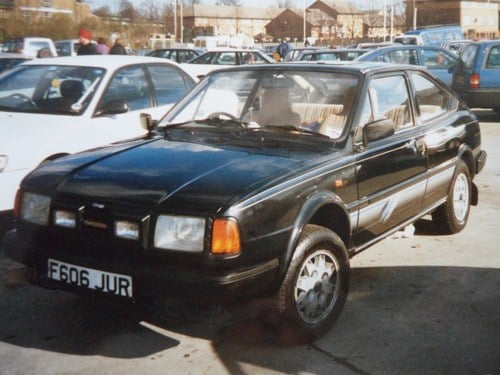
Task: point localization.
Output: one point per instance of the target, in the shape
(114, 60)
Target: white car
(56, 106)
(218, 58)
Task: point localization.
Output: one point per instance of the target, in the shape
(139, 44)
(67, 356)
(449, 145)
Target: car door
(490, 72)
(391, 171)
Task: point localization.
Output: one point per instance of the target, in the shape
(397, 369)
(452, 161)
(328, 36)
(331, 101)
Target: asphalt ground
(427, 304)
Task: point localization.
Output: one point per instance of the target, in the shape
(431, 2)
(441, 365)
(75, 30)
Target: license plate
(107, 282)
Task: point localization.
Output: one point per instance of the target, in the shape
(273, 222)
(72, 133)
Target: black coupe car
(264, 181)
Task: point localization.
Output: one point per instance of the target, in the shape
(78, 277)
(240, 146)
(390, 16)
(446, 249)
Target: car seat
(275, 108)
(72, 89)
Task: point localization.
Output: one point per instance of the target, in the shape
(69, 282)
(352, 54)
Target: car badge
(98, 205)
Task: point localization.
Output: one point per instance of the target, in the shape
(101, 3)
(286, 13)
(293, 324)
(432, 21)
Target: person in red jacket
(86, 45)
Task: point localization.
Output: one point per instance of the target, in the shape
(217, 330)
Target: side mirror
(113, 108)
(378, 129)
(148, 123)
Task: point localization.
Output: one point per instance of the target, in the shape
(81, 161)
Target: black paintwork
(272, 182)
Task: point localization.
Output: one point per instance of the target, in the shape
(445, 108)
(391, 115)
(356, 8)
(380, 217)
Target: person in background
(102, 46)
(118, 48)
(86, 45)
(283, 49)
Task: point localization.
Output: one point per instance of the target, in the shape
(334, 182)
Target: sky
(114, 4)
(249, 3)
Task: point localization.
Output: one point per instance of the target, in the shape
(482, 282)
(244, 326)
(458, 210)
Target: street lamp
(304, 25)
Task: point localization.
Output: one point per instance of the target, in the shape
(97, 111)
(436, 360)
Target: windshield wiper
(297, 129)
(224, 118)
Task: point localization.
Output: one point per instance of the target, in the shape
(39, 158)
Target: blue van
(431, 35)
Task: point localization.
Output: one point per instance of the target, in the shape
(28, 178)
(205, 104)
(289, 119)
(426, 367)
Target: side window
(169, 84)
(468, 55)
(493, 61)
(432, 101)
(389, 99)
(227, 58)
(437, 59)
(258, 59)
(130, 86)
(386, 97)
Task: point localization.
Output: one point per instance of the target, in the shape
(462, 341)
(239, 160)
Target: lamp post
(304, 24)
(175, 21)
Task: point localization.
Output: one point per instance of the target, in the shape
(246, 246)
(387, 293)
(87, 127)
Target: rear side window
(493, 60)
(468, 55)
(432, 100)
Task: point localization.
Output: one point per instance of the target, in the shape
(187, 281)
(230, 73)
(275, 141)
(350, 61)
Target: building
(478, 18)
(36, 9)
(205, 20)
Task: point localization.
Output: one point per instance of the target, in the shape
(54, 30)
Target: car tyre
(315, 287)
(452, 216)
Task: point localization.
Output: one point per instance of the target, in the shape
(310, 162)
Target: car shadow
(452, 307)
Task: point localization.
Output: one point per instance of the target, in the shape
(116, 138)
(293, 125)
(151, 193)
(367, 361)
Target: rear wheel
(452, 216)
(315, 287)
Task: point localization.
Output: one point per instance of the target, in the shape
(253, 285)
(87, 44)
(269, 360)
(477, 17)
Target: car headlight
(3, 162)
(35, 208)
(182, 233)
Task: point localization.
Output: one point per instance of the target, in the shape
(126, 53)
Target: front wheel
(315, 288)
(452, 216)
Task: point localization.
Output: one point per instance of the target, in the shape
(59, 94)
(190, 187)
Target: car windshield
(49, 89)
(310, 102)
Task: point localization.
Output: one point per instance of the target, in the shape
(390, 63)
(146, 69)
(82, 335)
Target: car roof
(352, 67)
(10, 55)
(402, 47)
(102, 61)
(231, 49)
(330, 50)
(487, 42)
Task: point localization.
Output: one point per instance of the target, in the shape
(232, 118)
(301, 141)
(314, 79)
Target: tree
(284, 3)
(234, 3)
(103, 12)
(126, 10)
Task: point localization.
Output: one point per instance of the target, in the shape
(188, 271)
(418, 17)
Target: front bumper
(151, 279)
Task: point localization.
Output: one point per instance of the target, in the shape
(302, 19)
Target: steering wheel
(24, 98)
(222, 114)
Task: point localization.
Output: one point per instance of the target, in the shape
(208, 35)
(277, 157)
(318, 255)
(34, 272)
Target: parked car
(438, 60)
(295, 54)
(477, 78)
(373, 45)
(177, 54)
(31, 46)
(68, 47)
(10, 60)
(334, 54)
(57, 106)
(223, 57)
(262, 182)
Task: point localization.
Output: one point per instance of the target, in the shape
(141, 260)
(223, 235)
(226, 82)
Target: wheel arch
(324, 209)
